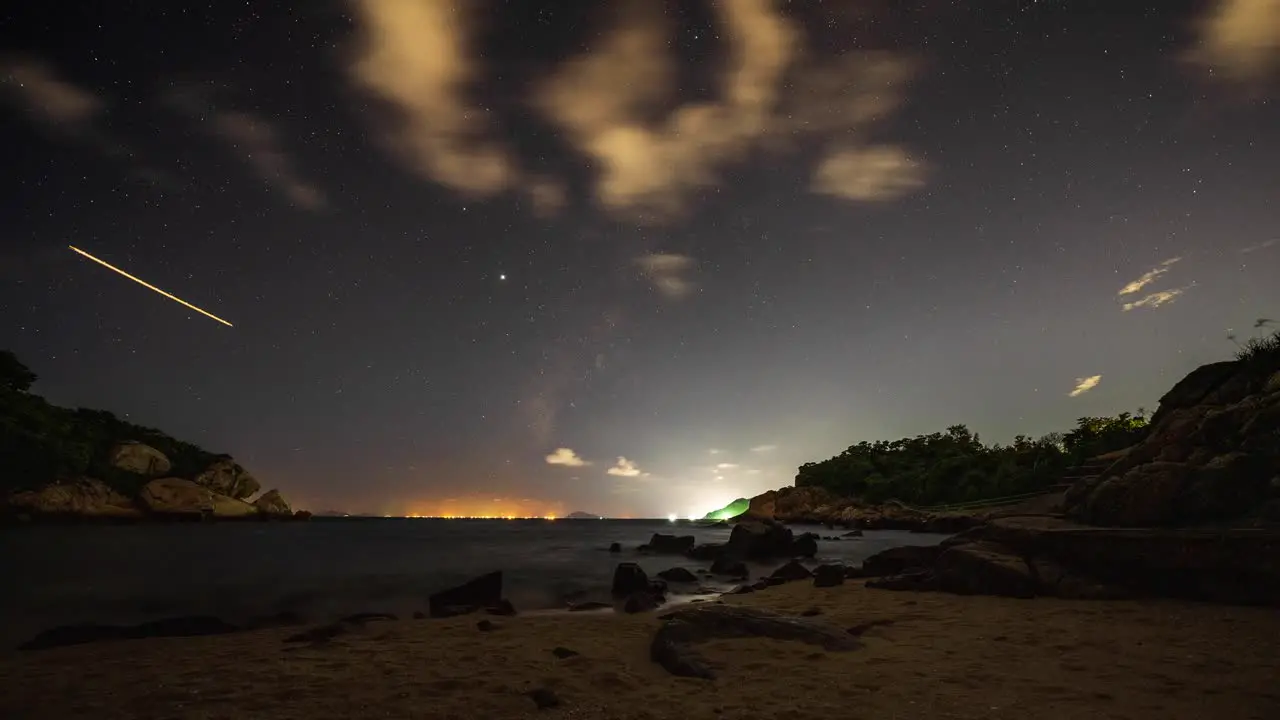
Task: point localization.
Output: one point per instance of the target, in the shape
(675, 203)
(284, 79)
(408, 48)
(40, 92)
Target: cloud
(618, 104)
(609, 101)
(764, 448)
(1156, 299)
(869, 174)
(1261, 246)
(548, 196)
(1239, 41)
(667, 272)
(259, 143)
(67, 112)
(714, 451)
(624, 468)
(415, 56)
(253, 138)
(1084, 385)
(567, 457)
(48, 99)
(1148, 277)
(726, 466)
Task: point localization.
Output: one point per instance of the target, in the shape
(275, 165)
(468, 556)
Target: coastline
(934, 656)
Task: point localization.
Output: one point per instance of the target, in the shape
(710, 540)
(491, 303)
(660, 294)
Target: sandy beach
(937, 656)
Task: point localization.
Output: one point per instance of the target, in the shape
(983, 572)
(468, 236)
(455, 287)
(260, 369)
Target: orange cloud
(567, 457)
(1240, 41)
(1084, 385)
(617, 104)
(415, 55)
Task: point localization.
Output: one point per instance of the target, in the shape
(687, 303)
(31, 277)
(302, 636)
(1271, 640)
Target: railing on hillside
(1070, 476)
(990, 502)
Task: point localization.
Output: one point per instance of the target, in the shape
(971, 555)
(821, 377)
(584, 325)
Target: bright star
(503, 276)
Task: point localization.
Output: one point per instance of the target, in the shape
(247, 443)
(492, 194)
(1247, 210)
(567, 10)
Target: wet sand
(942, 657)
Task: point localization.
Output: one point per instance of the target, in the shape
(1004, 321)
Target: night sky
(634, 258)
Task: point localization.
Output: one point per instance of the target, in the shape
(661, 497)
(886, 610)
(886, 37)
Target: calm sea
(55, 575)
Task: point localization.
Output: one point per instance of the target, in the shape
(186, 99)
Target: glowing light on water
(671, 517)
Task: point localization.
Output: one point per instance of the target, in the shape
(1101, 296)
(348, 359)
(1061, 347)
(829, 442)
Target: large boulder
(762, 505)
(725, 565)
(900, 559)
(804, 545)
(179, 497)
(790, 572)
(83, 498)
(629, 578)
(984, 568)
(636, 591)
(1194, 388)
(828, 575)
(678, 575)
(758, 540)
(671, 544)
(1145, 496)
(1209, 457)
(673, 643)
(226, 477)
(481, 592)
(1028, 556)
(135, 457)
(273, 503)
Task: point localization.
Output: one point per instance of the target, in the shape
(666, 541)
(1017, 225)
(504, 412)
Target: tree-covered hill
(955, 466)
(42, 443)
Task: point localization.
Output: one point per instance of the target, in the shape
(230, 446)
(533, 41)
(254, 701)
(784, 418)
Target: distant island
(579, 515)
(82, 464)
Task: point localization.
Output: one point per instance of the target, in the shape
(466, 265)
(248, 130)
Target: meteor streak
(149, 286)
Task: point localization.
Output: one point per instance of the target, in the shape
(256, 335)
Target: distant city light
(671, 517)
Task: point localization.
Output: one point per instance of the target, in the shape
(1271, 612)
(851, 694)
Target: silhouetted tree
(13, 374)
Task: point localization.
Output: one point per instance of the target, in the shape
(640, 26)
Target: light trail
(149, 286)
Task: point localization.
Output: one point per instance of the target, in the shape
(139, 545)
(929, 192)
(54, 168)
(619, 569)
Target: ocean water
(326, 568)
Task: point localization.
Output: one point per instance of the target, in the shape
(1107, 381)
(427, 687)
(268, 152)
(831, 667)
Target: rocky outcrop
(790, 572)
(672, 645)
(84, 498)
(1212, 455)
(135, 457)
(1041, 556)
(758, 539)
(191, 626)
(226, 477)
(670, 544)
(481, 592)
(176, 497)
(678, 575)
(635, 590)
(273, 503)
(828, 575)
(89, 499)
(816, 506)
(629, 578)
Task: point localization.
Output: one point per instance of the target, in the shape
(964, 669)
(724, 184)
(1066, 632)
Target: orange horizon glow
(482, 508)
